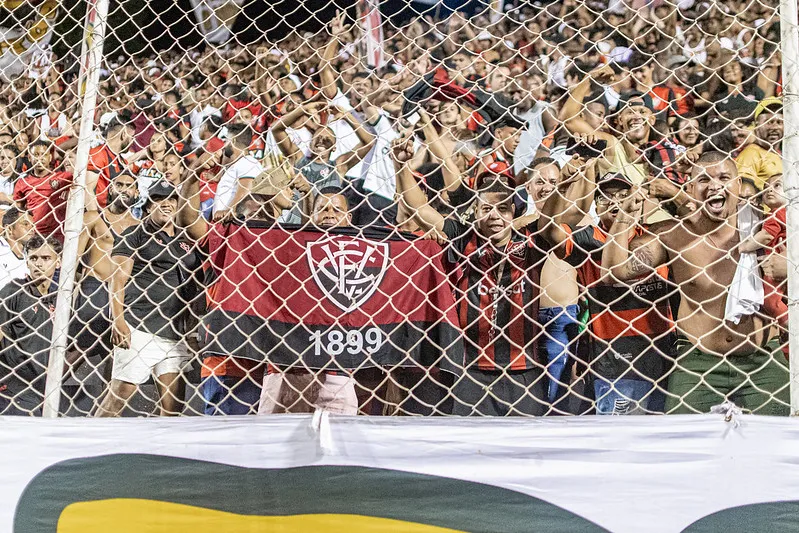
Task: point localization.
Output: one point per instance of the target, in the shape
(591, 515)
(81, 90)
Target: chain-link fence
(514, 208)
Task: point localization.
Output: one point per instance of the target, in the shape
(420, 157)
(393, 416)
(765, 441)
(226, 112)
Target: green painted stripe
(773, 517)
(424, 499)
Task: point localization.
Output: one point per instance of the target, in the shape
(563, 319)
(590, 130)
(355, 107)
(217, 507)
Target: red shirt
(46, 200)
(108, 165)
(775, 226)
(680, 102)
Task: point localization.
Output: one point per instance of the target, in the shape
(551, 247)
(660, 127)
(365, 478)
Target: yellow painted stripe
(149, 516)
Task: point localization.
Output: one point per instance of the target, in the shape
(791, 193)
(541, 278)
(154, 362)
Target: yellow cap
(771, 103)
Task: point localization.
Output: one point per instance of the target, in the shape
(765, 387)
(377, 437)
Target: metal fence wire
(227, 207)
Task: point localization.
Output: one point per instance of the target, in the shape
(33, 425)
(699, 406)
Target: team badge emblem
(348, 271)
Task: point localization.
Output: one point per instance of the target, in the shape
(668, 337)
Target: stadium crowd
(605, 182)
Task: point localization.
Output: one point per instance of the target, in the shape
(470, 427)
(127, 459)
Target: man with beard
(155, 265)
(90, 326)
(763, 158)
(716, 359)
(123, 194)
(106, 162)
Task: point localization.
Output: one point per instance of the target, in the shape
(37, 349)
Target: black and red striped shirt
(497, 296)
(631, 323)
(662, 157)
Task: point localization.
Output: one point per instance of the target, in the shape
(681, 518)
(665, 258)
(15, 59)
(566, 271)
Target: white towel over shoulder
(745, 296)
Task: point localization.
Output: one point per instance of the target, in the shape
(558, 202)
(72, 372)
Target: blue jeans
(622, 396)
(560, 326)
(229, 395)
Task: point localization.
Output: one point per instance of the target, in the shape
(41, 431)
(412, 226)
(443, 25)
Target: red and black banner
(345, 298)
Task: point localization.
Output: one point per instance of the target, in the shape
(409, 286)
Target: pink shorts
(335, 394)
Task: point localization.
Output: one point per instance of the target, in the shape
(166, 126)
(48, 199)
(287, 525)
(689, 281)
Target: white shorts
(148, 355)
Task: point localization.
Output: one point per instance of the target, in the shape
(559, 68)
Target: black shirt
(26, 319)
(162, 280)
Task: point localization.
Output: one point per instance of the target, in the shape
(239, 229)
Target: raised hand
(402, 149)
(337, 25)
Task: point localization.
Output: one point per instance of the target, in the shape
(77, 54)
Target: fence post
(91, 57)
(790, 150)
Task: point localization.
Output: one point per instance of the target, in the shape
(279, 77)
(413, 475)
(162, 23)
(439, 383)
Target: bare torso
(703, 266)
(97, 258)
(559, 287)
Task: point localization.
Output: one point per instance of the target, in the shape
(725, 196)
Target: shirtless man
(560, 291)
(716, 360)
(90, 328)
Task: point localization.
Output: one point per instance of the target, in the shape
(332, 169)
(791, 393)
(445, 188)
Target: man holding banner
(332, 300)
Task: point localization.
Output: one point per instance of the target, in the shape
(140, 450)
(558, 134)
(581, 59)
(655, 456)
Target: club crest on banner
(348, 271)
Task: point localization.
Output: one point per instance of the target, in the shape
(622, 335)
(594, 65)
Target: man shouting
(716, 360)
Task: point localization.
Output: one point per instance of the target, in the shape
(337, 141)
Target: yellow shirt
(758, 164)
(638, 174)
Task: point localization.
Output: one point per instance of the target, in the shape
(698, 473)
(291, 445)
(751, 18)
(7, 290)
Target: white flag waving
(372, 27)
(216, 18)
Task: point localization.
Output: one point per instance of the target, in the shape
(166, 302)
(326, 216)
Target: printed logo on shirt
(516, 288)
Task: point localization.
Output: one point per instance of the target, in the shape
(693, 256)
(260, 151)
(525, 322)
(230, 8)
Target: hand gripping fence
(396, 208)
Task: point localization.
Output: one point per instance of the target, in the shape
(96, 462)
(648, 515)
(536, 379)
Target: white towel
(745, 296)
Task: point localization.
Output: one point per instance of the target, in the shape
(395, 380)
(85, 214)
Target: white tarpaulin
(348, 474)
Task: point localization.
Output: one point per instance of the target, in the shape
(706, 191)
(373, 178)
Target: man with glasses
(631, 325)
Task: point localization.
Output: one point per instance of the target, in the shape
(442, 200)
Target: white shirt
(196, 118)
(379, 174)
(346, 138)
(7, 186)
(244, 167)
(11, 266)
(531, 137)
(301, 139)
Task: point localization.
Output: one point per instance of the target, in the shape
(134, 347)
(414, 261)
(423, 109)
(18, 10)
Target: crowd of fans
(605, 182)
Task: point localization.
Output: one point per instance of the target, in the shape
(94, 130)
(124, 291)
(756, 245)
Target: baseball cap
(634, 99)
(271, 181)
(160, 190)
(772, 104)
(614, 180)
(677, 60)
(496, 168)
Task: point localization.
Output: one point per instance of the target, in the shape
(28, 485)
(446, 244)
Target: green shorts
(756, 382)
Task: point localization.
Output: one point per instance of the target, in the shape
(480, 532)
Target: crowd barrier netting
(231, 207)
